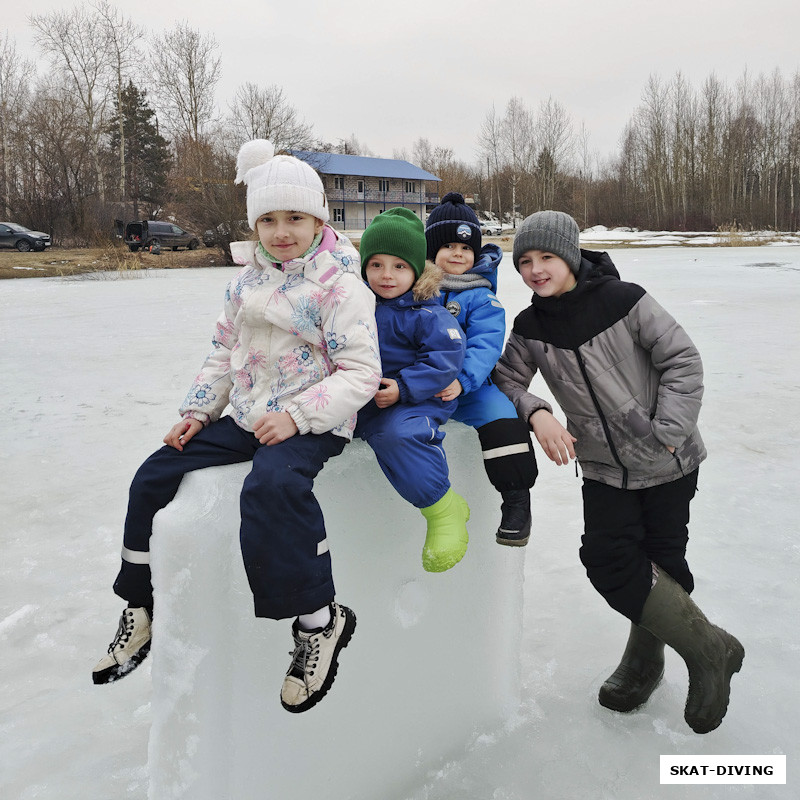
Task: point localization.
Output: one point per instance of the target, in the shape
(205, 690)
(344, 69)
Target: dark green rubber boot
(711, 654)
(638, 673)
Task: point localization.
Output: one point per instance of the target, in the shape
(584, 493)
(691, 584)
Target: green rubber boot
(638, 673)
(447, 538)
(711, 654)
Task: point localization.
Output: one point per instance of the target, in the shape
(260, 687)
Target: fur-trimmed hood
(428, 284)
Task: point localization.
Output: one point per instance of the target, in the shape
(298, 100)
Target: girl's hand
(388, 394)
(451, 392)
(670, 448)
(181, 432)
(555, 439)
(275, 428)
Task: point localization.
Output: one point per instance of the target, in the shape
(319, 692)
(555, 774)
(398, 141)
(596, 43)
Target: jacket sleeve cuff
(303, 425)
(403, 389)
(199, 416)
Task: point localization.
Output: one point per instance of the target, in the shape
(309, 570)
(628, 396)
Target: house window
(383, 185)
(338, 182)
(338, 214)
(361, 187)
(411, 187)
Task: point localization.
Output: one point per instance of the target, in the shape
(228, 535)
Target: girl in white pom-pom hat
(295, 357)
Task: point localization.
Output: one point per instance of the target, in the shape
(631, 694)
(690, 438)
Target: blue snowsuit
(505, 440)
(422, 348)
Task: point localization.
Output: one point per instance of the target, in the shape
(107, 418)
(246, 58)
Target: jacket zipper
(603, 420)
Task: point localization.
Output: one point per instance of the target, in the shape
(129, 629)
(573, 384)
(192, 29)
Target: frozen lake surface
(95, 369)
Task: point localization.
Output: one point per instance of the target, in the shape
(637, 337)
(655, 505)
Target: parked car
(24, 239)
(149, 232)
(491, 228)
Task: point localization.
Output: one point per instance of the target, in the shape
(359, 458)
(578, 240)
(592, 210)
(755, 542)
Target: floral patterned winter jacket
(301, 339)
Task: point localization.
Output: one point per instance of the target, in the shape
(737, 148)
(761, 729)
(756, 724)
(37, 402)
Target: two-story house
(360, 187)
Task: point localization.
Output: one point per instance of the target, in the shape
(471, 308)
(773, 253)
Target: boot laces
(304, 658)
(124, 632)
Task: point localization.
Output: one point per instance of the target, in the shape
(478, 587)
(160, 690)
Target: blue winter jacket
(422, 347)
(480, 314)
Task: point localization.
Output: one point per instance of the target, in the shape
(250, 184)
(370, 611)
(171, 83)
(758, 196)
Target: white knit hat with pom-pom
(278, 183)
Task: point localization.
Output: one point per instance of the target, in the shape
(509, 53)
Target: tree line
(123, 127)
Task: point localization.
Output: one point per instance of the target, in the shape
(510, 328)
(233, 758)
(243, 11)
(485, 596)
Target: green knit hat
(397, 232)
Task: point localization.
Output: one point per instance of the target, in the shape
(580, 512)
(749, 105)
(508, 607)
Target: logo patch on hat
(463, 231)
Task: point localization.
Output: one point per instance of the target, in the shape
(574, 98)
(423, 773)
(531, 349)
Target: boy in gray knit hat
(630, 383)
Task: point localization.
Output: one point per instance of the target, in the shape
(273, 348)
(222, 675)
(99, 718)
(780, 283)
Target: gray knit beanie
(551, 232)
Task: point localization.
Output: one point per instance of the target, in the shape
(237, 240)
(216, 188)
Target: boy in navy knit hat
(453, 236)
(422, 351)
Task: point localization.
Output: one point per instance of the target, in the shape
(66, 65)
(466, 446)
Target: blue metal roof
(363, 166)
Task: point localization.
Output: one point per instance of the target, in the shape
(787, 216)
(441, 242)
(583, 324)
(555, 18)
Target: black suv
(24, 239)
(149, 232)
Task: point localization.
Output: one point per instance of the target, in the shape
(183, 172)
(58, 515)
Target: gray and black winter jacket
(626, 375)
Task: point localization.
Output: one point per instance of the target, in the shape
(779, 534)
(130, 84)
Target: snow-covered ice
(94, 370)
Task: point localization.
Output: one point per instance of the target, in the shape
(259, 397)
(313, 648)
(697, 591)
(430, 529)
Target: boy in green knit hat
(422, 351)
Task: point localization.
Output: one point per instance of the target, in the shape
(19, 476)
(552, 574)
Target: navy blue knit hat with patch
(452, 221)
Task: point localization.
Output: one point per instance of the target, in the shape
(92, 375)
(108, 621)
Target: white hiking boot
(129, 648)
(314, 660)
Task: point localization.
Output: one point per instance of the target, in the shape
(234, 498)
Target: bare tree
(15, 76)
(422, 154)
(517, 140)
(265, 113)
(490, 149)
(556, 139)
(122, 37)
(77, 45)
(586, 168)
(186, 70)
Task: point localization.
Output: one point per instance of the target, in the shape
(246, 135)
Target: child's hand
(555, 439)
(451, 392)
(275, 428)
(181, 432)
(388, 394)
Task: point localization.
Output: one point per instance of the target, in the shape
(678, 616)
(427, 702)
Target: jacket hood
(486, 264)
(596, 264)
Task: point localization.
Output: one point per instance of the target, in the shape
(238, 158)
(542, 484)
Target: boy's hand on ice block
(388, 394)
(181, 432)
(451, 392)
(555, 439)
(275, 428)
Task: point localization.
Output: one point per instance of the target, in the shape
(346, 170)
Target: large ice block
(432, 665)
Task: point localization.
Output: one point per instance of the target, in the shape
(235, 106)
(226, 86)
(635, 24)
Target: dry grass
(731, 235)
(114, 259)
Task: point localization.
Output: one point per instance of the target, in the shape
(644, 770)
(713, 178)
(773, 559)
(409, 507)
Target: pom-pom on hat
(278, 183)
(452, 221)
(551, 232)
(397, 232)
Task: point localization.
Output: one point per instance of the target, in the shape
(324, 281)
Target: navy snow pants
(282, 531)
(505, 439)
(407, 441)
(627, 529)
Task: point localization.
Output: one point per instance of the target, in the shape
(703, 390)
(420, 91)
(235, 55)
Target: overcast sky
(390, 72)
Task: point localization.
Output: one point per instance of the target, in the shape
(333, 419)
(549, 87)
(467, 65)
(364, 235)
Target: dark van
(149, 232)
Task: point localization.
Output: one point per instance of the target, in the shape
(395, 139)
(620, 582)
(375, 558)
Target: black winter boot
(515, 524)
(711, 654)
(638, 673)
